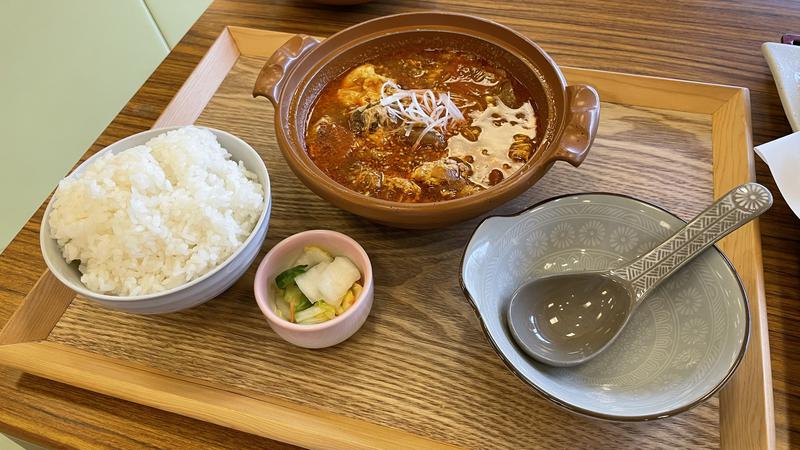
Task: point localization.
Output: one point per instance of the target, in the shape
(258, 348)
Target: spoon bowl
(569, 327)
(567, 319)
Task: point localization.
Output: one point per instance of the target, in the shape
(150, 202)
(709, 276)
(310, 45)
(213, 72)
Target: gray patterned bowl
(678, 349)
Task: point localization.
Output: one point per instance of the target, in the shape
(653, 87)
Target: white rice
(157, 215)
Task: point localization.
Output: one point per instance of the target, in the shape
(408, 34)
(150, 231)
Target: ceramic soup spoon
(567, 319)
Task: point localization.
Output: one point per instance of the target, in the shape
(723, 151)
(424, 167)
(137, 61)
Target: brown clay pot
(297, 72)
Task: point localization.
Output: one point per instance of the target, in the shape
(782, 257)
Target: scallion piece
(285, 278)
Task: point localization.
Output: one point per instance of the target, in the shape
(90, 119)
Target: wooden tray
(420, 373)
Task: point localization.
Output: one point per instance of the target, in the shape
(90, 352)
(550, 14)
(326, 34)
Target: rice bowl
(185, 287)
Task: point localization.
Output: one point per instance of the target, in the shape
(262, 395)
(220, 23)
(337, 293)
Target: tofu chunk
(361, 86)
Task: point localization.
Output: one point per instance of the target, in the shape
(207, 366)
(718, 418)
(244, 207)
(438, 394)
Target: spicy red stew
(422, 125)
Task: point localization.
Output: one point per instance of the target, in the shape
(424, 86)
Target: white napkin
(783, 158)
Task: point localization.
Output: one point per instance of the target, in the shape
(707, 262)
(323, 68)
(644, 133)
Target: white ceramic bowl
(679, 348)
(195, 292)
(282, 256)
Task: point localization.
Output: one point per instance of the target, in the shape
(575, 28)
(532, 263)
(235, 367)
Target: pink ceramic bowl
(281, 258)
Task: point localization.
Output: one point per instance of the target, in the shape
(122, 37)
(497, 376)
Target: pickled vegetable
(317, 288)
(313, 255)
(337, 278)
(287, 276)
(310, 281)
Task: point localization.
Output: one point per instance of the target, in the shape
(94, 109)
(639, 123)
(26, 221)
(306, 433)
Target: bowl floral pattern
(679, 348)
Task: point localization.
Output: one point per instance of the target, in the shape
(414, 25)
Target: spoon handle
(732, 210)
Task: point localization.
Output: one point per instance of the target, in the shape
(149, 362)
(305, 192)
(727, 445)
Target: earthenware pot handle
(271, 79)
(582, 119)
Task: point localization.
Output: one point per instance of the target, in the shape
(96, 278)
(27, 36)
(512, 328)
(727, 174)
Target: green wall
(67, 69)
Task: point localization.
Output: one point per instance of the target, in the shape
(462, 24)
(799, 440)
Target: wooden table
(716, 41)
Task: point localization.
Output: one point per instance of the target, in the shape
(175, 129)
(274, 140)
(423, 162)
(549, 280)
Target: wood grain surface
(254, 413)
(714, 41)
(34, 320)
(421, 362)
(749, 384)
